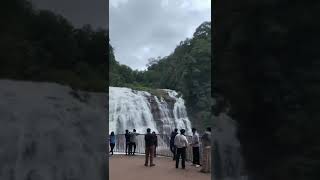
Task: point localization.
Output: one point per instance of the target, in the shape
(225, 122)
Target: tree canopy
(40, 45)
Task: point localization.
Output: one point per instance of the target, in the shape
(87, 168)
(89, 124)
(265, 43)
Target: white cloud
(140, 29)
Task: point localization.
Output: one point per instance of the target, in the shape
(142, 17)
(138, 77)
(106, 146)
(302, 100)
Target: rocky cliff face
(49, 131)
(158, 114)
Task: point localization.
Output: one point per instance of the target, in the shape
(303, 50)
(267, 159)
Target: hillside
(187, 70)
(39, 45)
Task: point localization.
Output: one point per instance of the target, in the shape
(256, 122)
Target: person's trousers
(196, 155)
(181, 152)
(206, 160)
(174, 151)
(130, 148)
(112, 147)
(127, 147)
(149, 154)
(134, 145)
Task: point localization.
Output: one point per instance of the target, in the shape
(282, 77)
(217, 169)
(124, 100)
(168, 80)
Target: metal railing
(163, 148)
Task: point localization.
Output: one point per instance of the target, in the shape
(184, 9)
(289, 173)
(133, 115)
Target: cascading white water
(168, 122)
(130, 109)
(180, 112)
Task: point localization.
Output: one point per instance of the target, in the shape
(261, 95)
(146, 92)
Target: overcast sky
(78, 12)
(141, 29)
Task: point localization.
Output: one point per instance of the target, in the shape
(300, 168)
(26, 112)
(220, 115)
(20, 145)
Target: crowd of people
(178, 146)
(131, 142)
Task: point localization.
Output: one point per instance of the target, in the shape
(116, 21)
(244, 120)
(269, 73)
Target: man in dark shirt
(149, 142)
(127, 136)
(172, 146)
(130, 143)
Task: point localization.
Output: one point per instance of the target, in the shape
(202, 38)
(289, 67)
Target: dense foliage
(187, 70)
(267, 67)
(39, 45)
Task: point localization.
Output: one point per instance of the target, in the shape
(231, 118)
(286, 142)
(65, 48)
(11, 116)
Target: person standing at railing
(112, 140)
(181, 142)
(155, 143)
(172, 146)
(127, 137)
(149, 147)
(133, 141)
(206, 142)
(130, 143)
(195, 148)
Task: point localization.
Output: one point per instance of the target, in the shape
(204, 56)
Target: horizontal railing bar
(163, 148)
(156, 134)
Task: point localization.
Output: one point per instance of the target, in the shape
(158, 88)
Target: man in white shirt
(195, 148)
(181, 142)
(133, 140)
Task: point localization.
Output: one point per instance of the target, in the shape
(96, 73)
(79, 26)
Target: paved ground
(122, 167)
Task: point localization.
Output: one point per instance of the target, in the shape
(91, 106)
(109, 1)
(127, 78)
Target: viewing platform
(132, 168)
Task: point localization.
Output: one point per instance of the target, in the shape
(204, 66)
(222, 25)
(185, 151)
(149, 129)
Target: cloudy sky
(141, 29)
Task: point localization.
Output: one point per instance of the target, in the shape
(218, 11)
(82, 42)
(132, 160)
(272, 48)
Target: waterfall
(131, 109)
(168, 122)
(180, 112)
